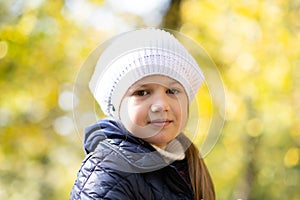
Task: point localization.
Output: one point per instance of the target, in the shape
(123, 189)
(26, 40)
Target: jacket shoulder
(97, 180)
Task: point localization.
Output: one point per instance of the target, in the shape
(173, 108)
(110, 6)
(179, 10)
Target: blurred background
(255, 45)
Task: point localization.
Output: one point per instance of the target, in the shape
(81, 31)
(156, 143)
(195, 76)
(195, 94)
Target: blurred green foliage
(255, 44)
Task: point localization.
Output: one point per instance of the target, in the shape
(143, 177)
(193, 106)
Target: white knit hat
(137, 54)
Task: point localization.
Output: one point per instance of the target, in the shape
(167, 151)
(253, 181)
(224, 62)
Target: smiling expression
(155, 109)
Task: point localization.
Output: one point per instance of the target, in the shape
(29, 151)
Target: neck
(171, 151)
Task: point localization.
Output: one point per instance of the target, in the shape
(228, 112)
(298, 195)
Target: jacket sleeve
(97, 182)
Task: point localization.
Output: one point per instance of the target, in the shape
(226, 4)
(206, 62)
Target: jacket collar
(125, 152)
(122, 150)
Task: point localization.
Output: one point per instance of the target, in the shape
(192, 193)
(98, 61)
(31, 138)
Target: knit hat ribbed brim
(135, 55)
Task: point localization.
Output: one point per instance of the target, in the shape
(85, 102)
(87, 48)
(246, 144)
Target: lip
(161, 123)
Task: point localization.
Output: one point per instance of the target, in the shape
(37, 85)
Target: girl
(144, 81)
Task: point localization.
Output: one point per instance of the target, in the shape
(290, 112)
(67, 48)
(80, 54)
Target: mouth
(160, 122)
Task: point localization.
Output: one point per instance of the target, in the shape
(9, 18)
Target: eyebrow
(137, 86)
(168, 84)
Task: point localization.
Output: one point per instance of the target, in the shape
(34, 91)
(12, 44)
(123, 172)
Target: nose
(160, 103)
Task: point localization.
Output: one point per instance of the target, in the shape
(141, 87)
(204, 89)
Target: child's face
(155, 109)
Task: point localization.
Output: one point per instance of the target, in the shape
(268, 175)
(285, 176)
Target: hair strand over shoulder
(201, 180)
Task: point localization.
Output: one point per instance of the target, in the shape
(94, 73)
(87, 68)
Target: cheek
(182, 111)
(132, 114)
(134, 118)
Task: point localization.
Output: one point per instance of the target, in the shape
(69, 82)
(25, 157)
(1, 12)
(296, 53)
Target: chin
(160, 139)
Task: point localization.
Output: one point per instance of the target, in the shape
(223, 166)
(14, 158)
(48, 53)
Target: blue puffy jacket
(121, 166)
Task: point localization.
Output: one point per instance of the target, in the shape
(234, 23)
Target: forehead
(157, 80)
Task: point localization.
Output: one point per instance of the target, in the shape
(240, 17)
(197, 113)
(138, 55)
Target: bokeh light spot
(291, 157)
(3, 49)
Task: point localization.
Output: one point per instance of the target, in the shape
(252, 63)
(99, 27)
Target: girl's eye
(141, 93)
(172, 91)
